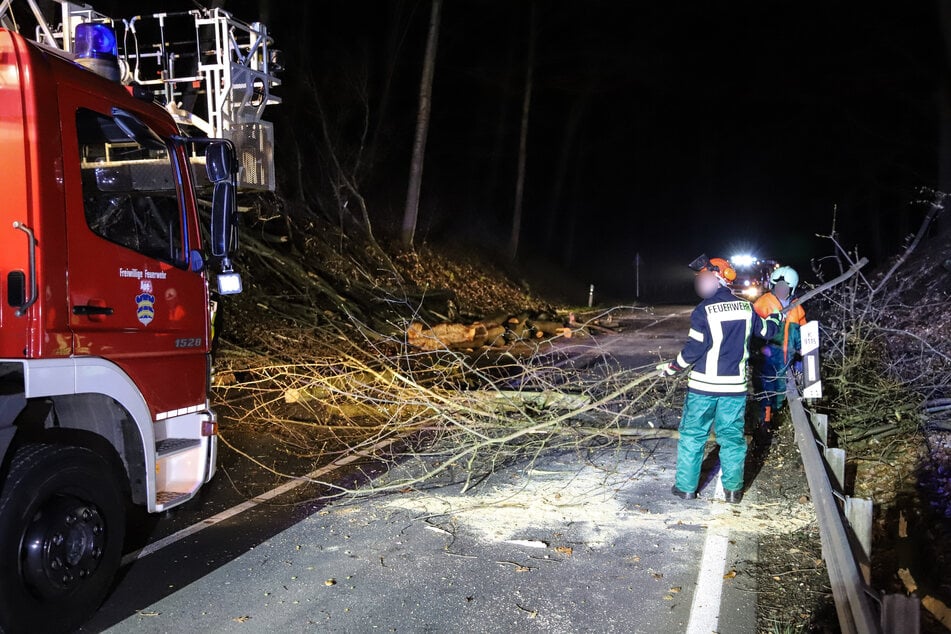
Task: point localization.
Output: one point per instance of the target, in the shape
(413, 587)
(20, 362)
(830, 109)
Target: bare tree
(422, 129)
(944, 111)
(402, 20)
(523, 136)
(572, 125)
(495, 186)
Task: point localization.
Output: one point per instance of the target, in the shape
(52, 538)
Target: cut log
(551, 329)
(495, 335)
(495, 320)
(440, 336)
(516, 320)
(507, 401)
(496, 331)
(628, 432)
(479, 338)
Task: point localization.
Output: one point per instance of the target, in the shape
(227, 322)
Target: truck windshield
(130, 191)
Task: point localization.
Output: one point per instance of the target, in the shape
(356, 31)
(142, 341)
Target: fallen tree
(873, 362)
(473, 413)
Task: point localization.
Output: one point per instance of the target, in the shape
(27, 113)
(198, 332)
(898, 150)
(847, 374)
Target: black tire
(62, 522)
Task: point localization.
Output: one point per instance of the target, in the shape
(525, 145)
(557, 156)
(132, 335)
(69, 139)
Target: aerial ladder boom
(211, 71)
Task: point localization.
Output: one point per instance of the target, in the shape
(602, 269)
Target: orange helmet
(722, 268)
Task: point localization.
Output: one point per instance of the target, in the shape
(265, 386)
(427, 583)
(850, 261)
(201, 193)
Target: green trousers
(727, 415)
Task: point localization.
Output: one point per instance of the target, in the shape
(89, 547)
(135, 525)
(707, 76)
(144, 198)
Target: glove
(667, 369)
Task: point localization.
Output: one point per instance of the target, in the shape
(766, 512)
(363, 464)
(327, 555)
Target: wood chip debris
(518, 567)
(527, 543)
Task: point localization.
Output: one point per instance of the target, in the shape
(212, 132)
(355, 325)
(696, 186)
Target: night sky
(665, 128)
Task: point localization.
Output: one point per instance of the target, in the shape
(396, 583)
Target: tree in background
(944, 112)
(411, 212)
(515, 237)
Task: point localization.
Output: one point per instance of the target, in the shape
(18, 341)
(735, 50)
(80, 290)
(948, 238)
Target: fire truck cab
(104, 324)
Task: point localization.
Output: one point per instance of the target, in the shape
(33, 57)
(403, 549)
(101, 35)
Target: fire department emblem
(145, 308)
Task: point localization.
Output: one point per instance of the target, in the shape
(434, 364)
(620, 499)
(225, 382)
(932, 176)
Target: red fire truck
(104, 315)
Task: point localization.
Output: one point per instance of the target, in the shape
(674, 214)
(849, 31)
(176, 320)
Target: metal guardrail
(845, 528)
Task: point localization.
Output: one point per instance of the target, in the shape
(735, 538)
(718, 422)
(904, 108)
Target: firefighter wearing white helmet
(785, 274)
(775, 355)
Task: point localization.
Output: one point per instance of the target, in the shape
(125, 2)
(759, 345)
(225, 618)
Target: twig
(935, 208)
(855, 268)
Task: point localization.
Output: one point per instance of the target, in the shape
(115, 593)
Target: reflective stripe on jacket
(718, 344)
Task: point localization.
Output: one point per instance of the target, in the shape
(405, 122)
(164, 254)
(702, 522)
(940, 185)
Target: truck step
(172, 446)
(168, 499)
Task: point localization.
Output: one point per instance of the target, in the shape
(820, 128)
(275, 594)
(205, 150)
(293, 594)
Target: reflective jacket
(718, 344)
(788, 338)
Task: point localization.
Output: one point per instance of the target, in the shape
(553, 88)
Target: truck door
(132, 296)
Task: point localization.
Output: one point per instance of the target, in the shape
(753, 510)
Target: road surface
(581, 542)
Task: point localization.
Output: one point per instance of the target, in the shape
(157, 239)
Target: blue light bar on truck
(95, 40)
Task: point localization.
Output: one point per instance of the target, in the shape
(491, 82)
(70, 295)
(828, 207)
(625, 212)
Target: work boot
(683, 495)
(733, 497)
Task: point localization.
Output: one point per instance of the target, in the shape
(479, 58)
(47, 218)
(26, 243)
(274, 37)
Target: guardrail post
(858, 511)
(835, 458)
(821, 424)
(901, 614)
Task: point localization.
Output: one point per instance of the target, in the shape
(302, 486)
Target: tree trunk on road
(422, 129)
(523, 137)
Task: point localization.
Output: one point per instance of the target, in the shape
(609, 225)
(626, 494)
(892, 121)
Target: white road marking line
(158, 545)
(705, 609)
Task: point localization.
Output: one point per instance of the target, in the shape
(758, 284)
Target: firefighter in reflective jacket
(717, 349)
(776, 354)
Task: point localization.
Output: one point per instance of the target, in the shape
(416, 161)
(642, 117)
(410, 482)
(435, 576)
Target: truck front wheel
(62, 521)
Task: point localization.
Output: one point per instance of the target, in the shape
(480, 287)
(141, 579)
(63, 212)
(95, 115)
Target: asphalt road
(582, 542)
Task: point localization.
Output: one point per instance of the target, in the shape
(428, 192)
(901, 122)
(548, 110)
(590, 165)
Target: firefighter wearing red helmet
(716, 352)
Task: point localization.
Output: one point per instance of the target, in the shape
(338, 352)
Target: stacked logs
(495, 332)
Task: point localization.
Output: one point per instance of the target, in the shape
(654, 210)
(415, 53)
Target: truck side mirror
(223, 220)
(219, 163)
